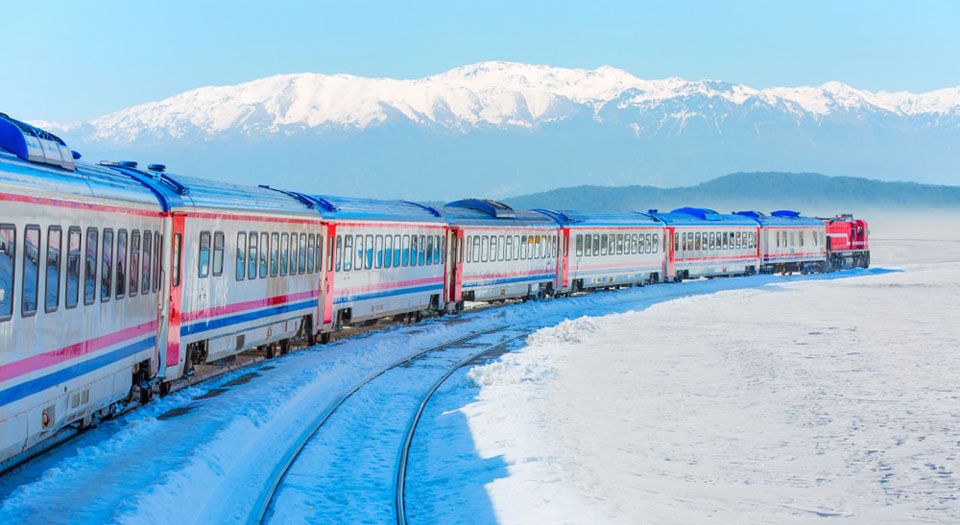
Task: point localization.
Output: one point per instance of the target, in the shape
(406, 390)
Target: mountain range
(504, 128)
(811, 193)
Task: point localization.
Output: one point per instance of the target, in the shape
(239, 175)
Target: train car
(389, 259)
(703, 243)
(79, 287)
(243, 270)
(848, 243)
(506, 253)
(604, 249)
(789, 242)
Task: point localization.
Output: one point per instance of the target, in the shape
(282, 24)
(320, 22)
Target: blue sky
(68, 61)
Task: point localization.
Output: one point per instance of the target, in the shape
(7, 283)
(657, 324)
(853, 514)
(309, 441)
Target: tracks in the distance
(466, 350)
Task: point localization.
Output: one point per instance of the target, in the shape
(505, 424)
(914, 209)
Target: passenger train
(117, 279)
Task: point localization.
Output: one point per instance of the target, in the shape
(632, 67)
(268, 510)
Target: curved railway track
(265, 503)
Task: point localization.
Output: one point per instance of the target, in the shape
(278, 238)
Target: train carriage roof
(780, 218)
(572, 218)
(702, 217)
(84, 180)
(361, 209)
(482, 212)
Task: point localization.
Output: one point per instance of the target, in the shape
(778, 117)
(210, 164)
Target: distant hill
(811, 193)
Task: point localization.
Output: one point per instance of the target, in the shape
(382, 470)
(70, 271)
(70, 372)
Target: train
(117, 279)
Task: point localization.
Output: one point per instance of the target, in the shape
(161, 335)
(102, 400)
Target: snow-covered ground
(674, 403)
(786, 402)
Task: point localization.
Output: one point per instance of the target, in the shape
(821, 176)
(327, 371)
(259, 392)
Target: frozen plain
(825, 400)
(577, 426)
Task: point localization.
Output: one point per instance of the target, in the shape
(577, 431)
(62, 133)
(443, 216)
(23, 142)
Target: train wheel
(271, 351)
(164, 388)
(324, 338)
(146, 394)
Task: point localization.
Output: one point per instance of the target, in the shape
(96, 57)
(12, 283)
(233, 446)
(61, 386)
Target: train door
(453, 271)
(670, 246)
(173, 280)
(326, 289)
(563, 269)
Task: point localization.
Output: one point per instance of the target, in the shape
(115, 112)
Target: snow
(669, 403)
(501, 94)
(710, 408)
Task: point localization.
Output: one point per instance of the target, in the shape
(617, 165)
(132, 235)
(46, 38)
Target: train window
(397, 247)
(405, 250)
(421, 253)
(431, 242)
(311, 248)
(294, 253)
(203, 261)
(494, 247)
(73, 267)
(347, 252)
(177, 258)
(264, 254)
(378, 251)
(302, 258)
(90, 267)
(331, 251)
(148, 258)
(508, 248)
(643, 244)
(241, 268)
(274, 253)
(656, 243)
(339, 249)
(8, 258)
(800, 235)
(579, 246)
(134, 270)
(438, 249)
(484, 248)
(51, 296)
(523, 247)
(121, 263)
(218, 244)
(475, 250)
(358, 254)
(388, 251)
(284, 252)
(368, 261)
(31, 270)
(816, 238)
(106, 265)
(593, 244)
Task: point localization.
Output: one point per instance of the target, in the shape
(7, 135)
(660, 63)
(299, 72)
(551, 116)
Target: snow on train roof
(344, 208)
(702, 216)
(195, 192)
(488, 213)
(600, 218)
(86, 180)
(781, 218)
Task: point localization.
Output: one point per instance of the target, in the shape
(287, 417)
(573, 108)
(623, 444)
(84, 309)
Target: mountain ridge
(506, 128)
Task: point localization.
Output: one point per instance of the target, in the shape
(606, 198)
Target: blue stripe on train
(387, 293)
(212, 324)
(39, 384)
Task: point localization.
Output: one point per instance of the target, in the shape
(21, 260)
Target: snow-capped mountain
(519, 127)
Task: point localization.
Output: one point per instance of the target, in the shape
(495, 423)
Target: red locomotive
(847, 242)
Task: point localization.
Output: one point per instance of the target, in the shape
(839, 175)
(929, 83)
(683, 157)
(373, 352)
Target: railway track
(452, 355)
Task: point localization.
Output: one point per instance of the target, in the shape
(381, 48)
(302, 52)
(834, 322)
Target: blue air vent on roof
(750, 213)
(430, 209)
(785, 213)
(490, 207)
(556, 215)
(703, 213)
(34, 144)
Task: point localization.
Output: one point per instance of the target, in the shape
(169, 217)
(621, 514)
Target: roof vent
(703, 213)
(157, 167)
(34, 144)
(750, 213)
(127, 164)
(785, 213)
(430, 209)
(490, 207)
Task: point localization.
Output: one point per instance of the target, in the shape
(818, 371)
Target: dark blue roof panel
(491, 213)
(703, 216)
(347, 208)
(599, 219)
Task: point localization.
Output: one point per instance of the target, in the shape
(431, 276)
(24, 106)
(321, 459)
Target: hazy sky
(67, 61)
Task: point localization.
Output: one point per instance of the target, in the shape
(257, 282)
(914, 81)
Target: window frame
(66, 292)
(200, 250)
(218, 237)
(46, 269)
